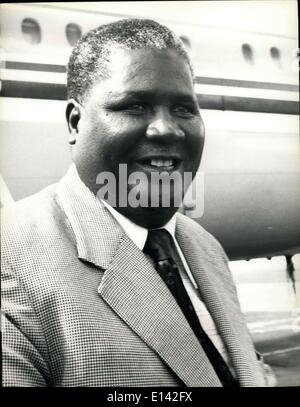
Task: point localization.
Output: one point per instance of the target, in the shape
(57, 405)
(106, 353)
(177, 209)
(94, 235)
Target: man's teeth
(161, 163)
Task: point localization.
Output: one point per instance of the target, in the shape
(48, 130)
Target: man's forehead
(120, 57)
(114, 90)
(138, 72)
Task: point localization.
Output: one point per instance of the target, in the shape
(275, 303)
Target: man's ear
(73, 116)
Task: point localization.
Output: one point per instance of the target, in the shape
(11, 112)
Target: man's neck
(137, 233)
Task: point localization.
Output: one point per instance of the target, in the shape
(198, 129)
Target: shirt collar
(138, 234)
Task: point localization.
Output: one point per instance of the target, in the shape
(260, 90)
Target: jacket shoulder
(31, 223)
(29, 211)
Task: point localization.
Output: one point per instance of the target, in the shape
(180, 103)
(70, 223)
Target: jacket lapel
(134, 290)
(218, 292)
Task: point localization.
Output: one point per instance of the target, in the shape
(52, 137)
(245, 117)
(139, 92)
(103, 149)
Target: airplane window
(248, 53)
(73, 33)
(275, 53)
(31, 31)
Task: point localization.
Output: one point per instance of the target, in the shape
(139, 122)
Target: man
(84, 301)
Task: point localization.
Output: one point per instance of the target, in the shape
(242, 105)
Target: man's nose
(164, 128)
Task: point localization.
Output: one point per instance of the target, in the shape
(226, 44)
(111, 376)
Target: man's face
(145, 115)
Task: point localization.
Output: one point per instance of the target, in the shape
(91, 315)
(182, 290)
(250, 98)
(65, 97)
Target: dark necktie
(161, 248)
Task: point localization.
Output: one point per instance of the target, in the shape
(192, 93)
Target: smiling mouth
(160, 164)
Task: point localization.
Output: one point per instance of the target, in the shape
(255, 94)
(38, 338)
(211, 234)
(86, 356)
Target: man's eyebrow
(150, 94)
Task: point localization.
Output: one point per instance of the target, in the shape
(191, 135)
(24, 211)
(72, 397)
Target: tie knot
(159, 245)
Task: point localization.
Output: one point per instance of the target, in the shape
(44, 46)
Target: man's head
(90, 58)
(131, 102)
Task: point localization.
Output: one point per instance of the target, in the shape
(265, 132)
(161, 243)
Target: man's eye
(184, 111)
(135, 108)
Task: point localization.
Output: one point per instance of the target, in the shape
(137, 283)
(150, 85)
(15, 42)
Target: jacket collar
(88, 216)
(96, 231)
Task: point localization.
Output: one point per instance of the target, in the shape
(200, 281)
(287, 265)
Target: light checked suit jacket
(83, 306)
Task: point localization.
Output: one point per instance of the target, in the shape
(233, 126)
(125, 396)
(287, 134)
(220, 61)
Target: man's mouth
(160, 164)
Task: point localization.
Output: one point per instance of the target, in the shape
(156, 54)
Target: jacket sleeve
(23, 344)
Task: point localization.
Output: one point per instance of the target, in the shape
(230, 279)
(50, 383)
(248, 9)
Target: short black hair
(90, 57)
